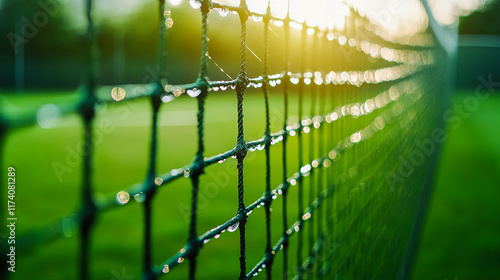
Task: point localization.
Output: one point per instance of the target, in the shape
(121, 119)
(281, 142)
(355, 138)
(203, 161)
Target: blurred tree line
(51, 32)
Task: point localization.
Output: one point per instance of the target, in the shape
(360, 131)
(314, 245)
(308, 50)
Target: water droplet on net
(158, 181)
(193, 92)
(195, 4)
(180, 259)
(223, 12)
(217, 236)
(69, 227)
(140, 197)
(169, 22)
(167, 98)
(233, 227)
(118, 93)
(48, 116)
(256, 18)
(166, 269)
(122, 197)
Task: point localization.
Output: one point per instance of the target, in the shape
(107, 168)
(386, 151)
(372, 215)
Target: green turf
(461, 238)
(121, 159)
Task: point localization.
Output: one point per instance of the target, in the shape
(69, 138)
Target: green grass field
(464, 202)
(461, 236)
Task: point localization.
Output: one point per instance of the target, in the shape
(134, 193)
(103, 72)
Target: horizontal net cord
(386, 97)
(297, 225)
(356, 78)
(341, 181)
(417, 62)
(388, 117)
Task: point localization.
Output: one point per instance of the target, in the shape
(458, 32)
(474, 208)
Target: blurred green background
(461, 237)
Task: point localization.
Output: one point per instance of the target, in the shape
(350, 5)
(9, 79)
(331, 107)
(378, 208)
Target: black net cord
(150, 176)
(241, 145)
(151, 188)
(330, 176)
(268, 199)
(199, 163)
(284, 157)
(312, 177)
(88, 211)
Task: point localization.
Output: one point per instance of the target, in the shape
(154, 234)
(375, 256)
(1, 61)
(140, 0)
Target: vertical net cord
(241, 144)
(268, 199)
(199, 163)
(150, 178)
(329, 178)
(321, 150)
(300, 183)
(312, 176)
(88, 208)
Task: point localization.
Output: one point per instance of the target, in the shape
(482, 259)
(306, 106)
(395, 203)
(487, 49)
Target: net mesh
(365, 148)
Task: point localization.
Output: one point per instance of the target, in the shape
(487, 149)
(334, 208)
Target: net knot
(241, 150)
(156, 97)
(242, 82)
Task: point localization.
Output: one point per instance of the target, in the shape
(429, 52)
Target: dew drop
(193, 92)
(180, 259)
(140, 197)
(48, 116)
(223, 12)
(169, 22)
(256, 18)
(166, 269)
(122, 197)
(167, 98)
(158, 181)
(69, 227)
(118, 93)
(217, 236)
(233, 227)
(195, 4)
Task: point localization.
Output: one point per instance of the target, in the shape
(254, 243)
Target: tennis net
(365, 147)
